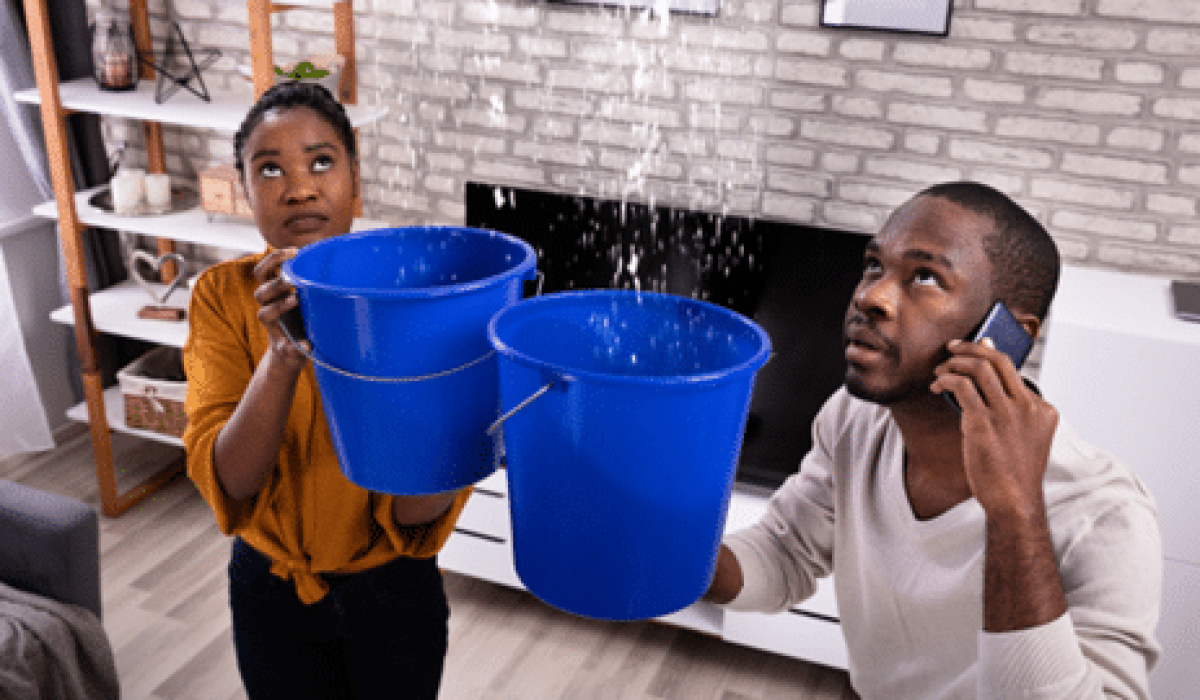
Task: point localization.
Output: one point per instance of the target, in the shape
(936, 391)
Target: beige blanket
(52, 651)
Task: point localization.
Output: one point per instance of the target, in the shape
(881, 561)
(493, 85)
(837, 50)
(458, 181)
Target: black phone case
(293, 324)
(1008, 335)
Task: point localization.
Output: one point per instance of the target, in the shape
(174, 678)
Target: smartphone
(1008, 335)
(292, 321)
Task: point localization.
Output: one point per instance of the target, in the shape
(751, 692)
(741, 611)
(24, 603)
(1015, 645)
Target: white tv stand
(1126, 375)
(481, 547)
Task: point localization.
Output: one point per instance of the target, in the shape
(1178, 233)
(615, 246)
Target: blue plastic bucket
(620, 473)
(398, 320)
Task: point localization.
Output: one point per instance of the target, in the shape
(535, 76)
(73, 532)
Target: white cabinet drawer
(480, 557)
(486, 513)
(700, 616)
(823, 602)
(496, 482)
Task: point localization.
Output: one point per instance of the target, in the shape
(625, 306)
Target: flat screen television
(793, 280)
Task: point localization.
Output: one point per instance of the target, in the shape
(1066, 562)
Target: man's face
(926, 281)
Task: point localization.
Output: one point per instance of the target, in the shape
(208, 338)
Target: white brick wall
(1086, 111)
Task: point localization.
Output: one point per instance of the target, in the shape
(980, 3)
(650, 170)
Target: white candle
(158, 193)
(126, 192)
(138, 175)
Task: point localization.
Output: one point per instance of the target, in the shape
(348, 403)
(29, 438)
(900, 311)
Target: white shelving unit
(114, 310)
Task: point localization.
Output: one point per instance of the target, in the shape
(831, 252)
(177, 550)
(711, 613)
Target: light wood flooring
(167, 617)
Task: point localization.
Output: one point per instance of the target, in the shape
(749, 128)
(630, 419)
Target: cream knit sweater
(910, 592)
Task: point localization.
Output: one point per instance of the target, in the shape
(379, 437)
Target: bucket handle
(389, 380)
(541, 278)
(494, 426)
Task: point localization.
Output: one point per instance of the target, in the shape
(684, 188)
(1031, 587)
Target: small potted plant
(324, 69)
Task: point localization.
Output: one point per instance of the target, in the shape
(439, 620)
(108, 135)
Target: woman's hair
(291, 94)
(1025, 261)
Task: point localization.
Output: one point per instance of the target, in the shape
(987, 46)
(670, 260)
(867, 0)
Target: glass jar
(114, 53)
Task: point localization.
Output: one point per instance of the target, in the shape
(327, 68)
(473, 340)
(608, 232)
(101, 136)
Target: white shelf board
(114, 311)
(224, 112)
(192, 226)
(114, 410)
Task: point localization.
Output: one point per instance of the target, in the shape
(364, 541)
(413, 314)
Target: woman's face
(299, 179)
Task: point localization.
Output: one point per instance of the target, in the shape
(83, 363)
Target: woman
(334, 590)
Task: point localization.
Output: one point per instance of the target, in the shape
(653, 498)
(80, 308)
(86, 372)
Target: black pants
(376, 634)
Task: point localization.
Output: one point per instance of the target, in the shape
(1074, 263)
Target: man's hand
(727, 580)
(1007, 431)
(1007, 428)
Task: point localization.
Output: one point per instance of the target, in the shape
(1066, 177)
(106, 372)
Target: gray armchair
(50, 555)
(49, 545)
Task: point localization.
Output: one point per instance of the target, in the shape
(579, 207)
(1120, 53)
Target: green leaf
(307, 70)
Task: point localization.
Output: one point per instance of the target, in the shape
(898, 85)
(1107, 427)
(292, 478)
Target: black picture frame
(705, 8)
(931, 17)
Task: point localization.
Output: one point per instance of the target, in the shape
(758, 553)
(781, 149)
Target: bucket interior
(415, 260)
(630, 334)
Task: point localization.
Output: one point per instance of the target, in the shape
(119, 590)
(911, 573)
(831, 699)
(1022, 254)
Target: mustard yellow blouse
(308, 518)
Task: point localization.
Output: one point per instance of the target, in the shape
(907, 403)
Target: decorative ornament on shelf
(221, 192)
(158, 311)
(175, 53)
(114, 54)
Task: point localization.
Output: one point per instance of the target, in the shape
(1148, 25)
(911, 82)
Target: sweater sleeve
(791, 546)
(218, 364)
(1104, 645)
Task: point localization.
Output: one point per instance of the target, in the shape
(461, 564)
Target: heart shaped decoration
(141, 256)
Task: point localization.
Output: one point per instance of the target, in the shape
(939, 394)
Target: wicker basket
(154, 392)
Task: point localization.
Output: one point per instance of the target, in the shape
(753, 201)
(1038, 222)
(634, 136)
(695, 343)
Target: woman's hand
(248, 445)
(276, 298)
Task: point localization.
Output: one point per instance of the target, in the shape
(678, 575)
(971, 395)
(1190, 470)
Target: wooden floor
(167, 617)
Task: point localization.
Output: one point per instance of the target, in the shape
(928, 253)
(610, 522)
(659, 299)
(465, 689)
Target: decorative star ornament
(177, 49)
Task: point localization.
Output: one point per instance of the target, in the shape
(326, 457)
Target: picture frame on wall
(706, 8)
(912, 16)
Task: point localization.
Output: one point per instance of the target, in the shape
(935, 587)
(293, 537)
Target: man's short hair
(1025, 261)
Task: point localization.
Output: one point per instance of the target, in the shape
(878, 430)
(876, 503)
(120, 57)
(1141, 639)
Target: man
(992, 554)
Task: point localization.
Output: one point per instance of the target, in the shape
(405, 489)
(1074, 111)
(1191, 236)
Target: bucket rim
(522, 269)
(752, 364)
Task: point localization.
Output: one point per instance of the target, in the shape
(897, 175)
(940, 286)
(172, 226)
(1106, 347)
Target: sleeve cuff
(1042, 662)
(761, 584)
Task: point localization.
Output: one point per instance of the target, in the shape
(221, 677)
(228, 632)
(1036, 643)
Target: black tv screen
(793, 280)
